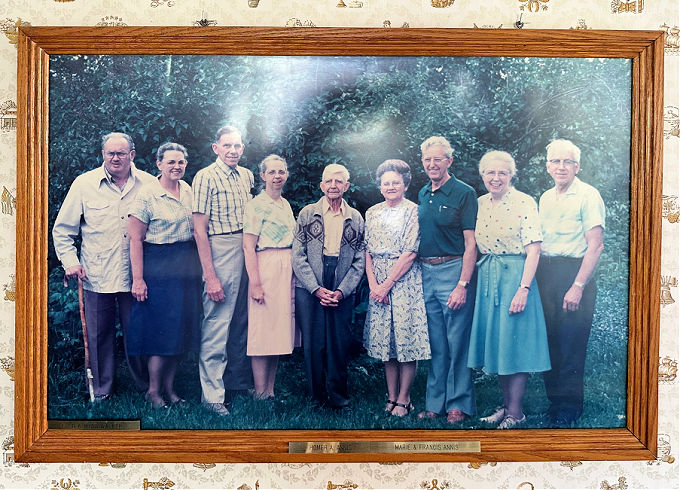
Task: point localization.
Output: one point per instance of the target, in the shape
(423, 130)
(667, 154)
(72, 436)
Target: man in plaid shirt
(220, 192)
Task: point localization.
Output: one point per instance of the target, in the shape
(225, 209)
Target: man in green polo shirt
(447, 213)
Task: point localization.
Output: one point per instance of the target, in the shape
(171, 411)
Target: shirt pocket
(448, 216)
(568, 226)
(96, 212)
(101, 231)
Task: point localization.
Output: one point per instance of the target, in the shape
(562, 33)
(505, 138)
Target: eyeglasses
(120, 154)
(493, 173)
(394, 183)
(567, 161)
(436, 160)
(181, 163)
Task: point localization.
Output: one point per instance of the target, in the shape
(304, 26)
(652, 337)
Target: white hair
(564, 145)
(495, 155)
(335, 168)
(437, 141)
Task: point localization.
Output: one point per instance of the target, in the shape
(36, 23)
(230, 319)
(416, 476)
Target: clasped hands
(380, 292)
(328, 297)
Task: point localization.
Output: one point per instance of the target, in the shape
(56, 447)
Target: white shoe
(217, 408)
(510, 421)
(497, 416)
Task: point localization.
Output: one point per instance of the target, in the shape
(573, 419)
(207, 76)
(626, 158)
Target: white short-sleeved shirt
(565, 218)
(272, 221)
(508, 226)
(168, 220)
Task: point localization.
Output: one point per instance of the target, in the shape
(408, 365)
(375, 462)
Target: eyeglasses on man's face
(435, 160)
(120, 154)
(566, 161)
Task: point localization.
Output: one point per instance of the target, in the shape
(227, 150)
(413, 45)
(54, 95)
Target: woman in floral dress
(396, 323)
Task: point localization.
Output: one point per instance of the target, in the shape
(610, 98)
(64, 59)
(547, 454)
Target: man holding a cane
(96, 208)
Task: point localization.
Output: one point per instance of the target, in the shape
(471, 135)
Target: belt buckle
(434, 260)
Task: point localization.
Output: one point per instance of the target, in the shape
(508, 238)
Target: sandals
(497, 416)
(156, 401)
(407, 406)
(511, 421)
(389, 406)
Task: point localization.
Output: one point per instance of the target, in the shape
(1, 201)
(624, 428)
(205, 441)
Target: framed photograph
(357, 97)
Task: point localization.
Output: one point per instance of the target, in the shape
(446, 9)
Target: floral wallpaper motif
(111, 20)
(623, 6)
(157, 3)
(506, 14)
(533, 5)
(9, 28)
(672, 42)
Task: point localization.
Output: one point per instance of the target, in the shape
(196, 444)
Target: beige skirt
(271, 325)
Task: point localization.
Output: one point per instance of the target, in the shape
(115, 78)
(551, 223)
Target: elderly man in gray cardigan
(328, 261)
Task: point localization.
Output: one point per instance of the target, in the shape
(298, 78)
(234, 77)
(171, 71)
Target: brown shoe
(427, 415)
(454, 416)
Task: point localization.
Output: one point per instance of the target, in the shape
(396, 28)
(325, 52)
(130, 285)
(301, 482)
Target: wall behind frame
(505, 14)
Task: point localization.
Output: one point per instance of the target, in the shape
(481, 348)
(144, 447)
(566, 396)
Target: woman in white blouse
(508, 334)
(267, 240)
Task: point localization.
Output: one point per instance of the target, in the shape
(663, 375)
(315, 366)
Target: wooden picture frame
(34, 442)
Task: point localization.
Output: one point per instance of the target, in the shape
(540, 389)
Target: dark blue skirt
(168, 322)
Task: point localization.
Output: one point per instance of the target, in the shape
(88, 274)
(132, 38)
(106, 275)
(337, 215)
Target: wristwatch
(579, 284)
(465, 284)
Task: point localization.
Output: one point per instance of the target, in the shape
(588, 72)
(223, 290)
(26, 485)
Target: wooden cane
(88, 370)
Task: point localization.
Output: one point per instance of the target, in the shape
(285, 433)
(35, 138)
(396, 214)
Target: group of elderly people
(491, 282)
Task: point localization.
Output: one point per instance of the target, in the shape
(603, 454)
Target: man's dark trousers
(100, 316)
(238, 375)
(326, 338)
(568, 333)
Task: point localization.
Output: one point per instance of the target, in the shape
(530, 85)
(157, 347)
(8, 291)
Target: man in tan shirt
(328, 261)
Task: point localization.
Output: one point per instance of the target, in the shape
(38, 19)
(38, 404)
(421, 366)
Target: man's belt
(231, 232)
(440, 260)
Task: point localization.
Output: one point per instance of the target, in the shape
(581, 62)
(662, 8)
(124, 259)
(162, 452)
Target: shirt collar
(573, 187)
(104, 174)
(446, 188)
(160, 191)
(226, 168)
(506, 197)
(326, 206)
(268, 199)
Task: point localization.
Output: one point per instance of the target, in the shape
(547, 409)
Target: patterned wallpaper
(506, 14)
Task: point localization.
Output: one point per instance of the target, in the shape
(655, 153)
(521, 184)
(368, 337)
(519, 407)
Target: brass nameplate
(408, 447)
(94, 424)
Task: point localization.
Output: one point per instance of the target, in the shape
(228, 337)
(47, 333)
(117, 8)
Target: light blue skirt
(502, 343)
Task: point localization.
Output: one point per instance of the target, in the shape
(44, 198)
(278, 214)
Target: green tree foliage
(356, 111)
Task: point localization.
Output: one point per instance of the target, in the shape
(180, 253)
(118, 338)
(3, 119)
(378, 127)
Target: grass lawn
(604, 407)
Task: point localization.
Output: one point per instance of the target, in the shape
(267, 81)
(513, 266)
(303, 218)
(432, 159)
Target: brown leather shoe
(454, 416)
(427, 415)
